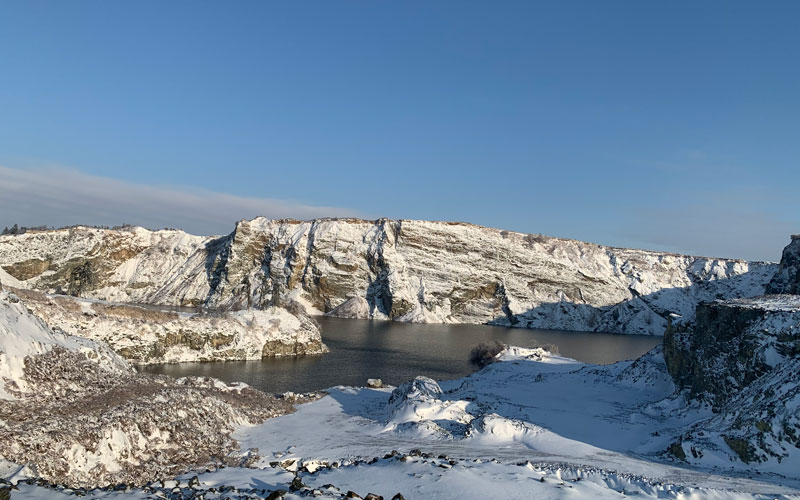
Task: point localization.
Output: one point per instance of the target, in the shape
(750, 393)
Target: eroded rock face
(126, 265)
(787, 279)
(743, 358)
(148, 336)
(404, 270)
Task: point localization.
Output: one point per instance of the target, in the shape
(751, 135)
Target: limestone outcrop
(403, 270)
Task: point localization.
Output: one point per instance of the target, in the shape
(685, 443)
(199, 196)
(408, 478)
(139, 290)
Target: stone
(297, 484)
(403, 270)
(276, 494)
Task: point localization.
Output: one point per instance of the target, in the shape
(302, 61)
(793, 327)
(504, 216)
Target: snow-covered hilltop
(405, 270)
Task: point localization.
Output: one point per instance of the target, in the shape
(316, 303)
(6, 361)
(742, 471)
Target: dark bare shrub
(484, 354)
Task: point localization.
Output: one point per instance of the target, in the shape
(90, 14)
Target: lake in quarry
(396, 352)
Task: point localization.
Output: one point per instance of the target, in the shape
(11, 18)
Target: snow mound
(418, 390)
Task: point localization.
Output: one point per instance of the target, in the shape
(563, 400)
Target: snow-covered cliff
(150, 335)
(787, 279)
(405, 270)
(742, 359)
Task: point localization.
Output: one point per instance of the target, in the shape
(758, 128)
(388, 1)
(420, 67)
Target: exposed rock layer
(787, 279)
(743, 358)
(147, 335)
(404, 270)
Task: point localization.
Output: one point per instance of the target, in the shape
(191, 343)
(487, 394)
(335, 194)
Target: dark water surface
(396, 352)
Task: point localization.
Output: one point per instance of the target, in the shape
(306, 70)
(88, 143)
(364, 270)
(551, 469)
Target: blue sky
(665, 125)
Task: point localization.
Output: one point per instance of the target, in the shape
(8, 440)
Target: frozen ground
(533, 406)
(532, 426)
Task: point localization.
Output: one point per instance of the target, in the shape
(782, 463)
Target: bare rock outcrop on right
(741, 358)
(787, 278)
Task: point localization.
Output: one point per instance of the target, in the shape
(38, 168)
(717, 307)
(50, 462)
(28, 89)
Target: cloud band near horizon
(59, 196)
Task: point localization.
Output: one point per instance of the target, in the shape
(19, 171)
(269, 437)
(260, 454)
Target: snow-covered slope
(533, 425)
(148, 335)
(532, 409)
(74, 412)
(404, 270)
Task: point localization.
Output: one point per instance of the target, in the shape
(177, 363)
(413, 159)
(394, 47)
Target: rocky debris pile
(195, 487)
(77, 414)
(404, 270)
(23, 335)
(149, 335)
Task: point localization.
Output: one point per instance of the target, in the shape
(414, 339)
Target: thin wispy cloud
(58, 196)
(731, 223)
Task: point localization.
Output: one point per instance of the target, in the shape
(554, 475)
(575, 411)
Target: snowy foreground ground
(532, 426)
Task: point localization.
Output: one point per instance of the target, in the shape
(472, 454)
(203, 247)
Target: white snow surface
(533, 425)
(531, 406)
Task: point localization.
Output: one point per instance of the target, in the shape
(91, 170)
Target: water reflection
(396, 352)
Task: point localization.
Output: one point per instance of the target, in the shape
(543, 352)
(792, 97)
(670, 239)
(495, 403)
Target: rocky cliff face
(150, 335)
(403, 270)
(137, 265)
(787, 279)
(742, 358)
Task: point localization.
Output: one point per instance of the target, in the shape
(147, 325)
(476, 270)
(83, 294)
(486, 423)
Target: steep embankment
(787, 278)
(137, 265)
(742, 359)
(404, 270)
